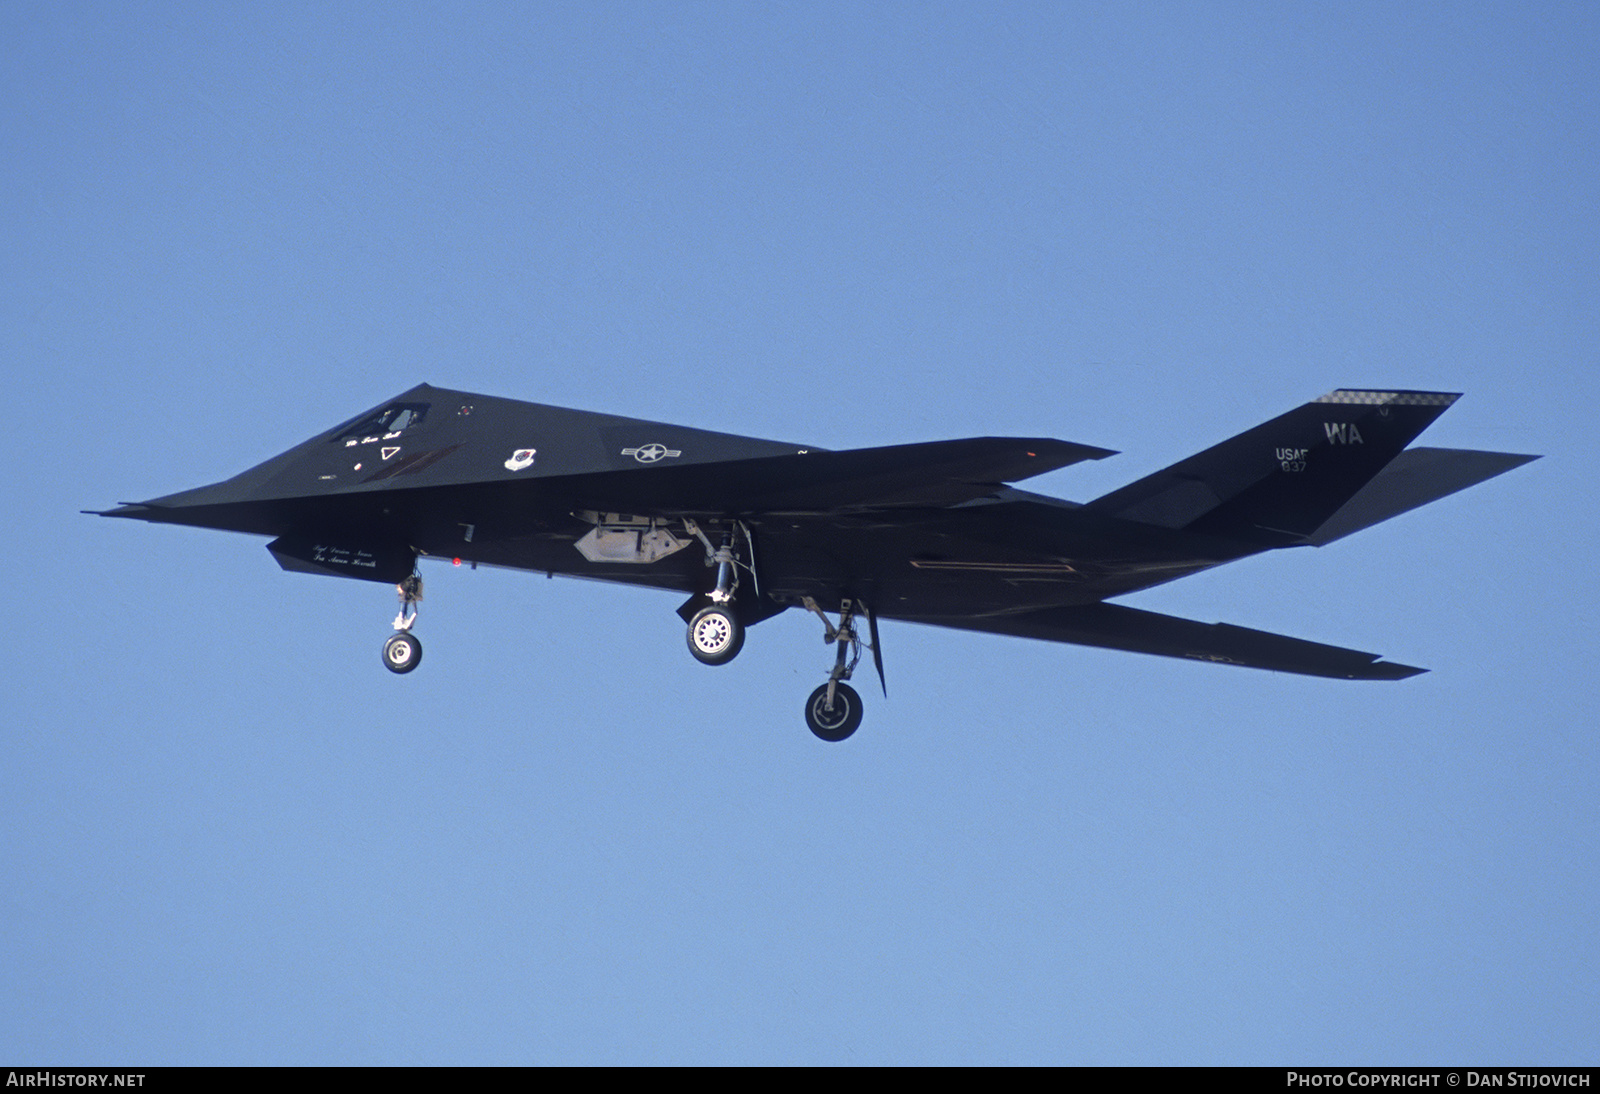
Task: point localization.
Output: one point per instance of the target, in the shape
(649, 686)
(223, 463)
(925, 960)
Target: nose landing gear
(403, 651)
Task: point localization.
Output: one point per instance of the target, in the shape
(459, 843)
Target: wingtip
(1389, 670)
(123, 509)
(1071, 450)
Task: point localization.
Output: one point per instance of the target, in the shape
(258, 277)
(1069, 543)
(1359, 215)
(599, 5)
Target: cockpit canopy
(388, 423)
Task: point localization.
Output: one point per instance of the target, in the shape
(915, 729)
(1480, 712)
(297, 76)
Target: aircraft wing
(1113, 626)
(932, 474)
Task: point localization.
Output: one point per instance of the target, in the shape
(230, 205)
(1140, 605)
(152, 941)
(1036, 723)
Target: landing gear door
(340, 558)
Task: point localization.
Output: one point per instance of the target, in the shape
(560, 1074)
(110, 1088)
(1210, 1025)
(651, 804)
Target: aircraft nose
(183, 499)
(184, 507)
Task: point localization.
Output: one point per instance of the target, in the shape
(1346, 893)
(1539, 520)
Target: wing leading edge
(931, 474)
(1116, 627)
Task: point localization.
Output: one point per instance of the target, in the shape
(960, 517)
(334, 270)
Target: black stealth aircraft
(746, 528)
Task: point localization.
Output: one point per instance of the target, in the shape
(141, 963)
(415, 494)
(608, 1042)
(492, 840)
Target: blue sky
(233, 838)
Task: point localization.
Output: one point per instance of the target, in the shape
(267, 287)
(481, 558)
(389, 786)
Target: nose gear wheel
(402, 652)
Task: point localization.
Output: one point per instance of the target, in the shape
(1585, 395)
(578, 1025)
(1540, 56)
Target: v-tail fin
(1281, 481)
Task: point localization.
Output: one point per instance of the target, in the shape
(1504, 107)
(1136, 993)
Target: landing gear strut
(403, 652)
(716, 634)
(834, 710)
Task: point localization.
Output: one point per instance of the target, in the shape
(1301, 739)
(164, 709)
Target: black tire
(402, 652)
(715, 636)
(842, 720)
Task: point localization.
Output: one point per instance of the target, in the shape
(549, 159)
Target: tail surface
(1279, 482)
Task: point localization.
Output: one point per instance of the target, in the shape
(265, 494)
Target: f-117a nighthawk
(747, 528)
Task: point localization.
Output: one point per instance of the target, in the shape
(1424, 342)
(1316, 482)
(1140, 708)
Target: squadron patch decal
(522, 457)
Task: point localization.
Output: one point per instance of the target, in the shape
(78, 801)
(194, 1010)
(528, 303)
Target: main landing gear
(403, 651)
(834, 710)
(716, 634)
